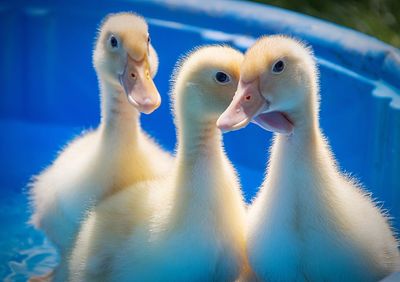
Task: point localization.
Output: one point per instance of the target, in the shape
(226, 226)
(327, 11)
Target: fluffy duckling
(118, 153)
(191, 225)
(309, 222)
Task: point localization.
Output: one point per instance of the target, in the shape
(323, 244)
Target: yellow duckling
(309, 222)
(118, 153)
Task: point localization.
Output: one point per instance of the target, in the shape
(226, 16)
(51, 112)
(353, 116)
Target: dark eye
(148, 44)
(278, 67)
(222, 77)
(113, 41)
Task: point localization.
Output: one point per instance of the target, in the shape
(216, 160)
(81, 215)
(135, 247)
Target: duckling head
(205, 82)
(278, 75)
(125, 59)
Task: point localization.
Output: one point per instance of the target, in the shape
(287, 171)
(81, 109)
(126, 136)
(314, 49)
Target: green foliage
(379, 18)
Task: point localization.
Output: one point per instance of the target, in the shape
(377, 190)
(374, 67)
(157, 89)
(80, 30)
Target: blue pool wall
(47, 78)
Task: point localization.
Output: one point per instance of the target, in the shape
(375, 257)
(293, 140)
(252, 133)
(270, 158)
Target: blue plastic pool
(48, 94)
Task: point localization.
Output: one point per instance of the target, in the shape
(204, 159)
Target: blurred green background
(379, 18)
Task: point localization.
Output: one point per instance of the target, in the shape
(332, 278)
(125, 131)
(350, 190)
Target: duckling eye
(278, 67)
(113, 41)
(222, 77)
(148, 44)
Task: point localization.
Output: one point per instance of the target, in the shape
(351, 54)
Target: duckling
(118, 153)
(309, 221)
(191, 222)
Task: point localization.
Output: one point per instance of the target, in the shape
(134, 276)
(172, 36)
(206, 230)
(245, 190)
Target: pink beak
(246, 104)
(139, 86)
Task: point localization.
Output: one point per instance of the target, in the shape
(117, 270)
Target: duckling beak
(139, 85)
(249, 105)
(246, 104)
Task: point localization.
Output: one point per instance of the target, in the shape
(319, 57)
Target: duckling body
(309, 222)
(115, 155)
(88, 170)
(193, 239)
(312, 225)
(192, 223)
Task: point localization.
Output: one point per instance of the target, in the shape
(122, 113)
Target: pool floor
(24, 252)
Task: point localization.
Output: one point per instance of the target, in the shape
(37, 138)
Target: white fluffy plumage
(309, 221)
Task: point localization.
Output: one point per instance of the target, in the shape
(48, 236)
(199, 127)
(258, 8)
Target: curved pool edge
(361, 53)
(365, 50)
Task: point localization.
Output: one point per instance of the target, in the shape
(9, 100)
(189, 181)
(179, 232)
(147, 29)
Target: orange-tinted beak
(139, 86)
(246, 104)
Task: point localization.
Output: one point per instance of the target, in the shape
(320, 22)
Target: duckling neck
(119, 119)
(305, 117)
(197, 141)
(299, 146)
(304, 154)
(199, 166)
